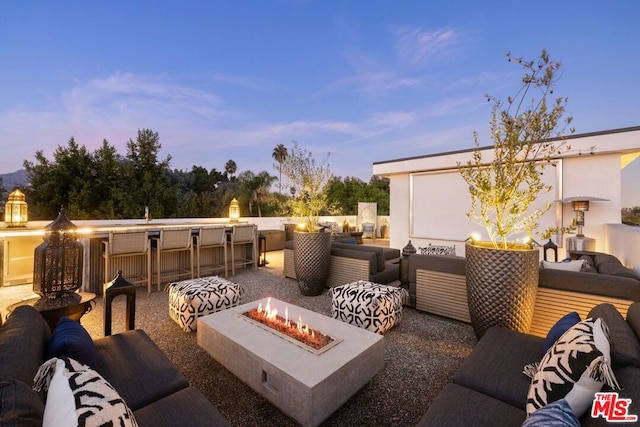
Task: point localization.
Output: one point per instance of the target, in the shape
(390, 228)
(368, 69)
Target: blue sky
(363, 80)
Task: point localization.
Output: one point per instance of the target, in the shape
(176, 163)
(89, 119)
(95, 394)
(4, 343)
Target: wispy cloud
(416, 45)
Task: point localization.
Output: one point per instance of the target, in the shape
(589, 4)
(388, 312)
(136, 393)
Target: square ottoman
(367, 305)
(190, 299)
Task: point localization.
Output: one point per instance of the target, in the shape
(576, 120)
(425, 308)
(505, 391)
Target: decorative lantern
(15, 210)
(234, 211)
(57, 270)
(408, 250)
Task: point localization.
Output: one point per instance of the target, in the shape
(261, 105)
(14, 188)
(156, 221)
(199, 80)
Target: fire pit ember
(297, 332)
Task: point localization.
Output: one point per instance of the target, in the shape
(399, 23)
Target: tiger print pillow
(575, 368)
(78, 395)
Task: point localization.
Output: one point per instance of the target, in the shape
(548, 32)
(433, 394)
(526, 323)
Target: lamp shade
(15, 210)
(234, 210)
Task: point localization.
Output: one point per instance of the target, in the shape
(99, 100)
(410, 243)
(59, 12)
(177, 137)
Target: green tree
(67, 181)
(146, 176)
(255, 189)
(280, 153)
(503, 191)
(308, 181)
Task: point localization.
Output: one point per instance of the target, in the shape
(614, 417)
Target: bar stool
(130, 248)
(211, 240)
(245, 234)
(173, 241)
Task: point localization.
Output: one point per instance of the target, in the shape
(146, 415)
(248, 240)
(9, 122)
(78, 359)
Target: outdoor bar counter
(17, 245)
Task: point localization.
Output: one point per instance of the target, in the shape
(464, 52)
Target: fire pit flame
(301, 332)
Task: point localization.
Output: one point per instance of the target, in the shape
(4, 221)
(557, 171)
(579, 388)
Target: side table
(74, 306)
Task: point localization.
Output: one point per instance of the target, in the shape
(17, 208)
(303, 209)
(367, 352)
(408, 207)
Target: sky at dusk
(364, 81)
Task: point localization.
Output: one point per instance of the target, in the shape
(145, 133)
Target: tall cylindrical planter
(501, 287)
(312, 258)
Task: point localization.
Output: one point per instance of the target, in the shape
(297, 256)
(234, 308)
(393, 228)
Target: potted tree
(312, 245)
(502, 275)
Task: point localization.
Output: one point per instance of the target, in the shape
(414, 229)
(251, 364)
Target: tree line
(105, 184)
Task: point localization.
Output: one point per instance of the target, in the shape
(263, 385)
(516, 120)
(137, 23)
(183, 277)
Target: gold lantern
(234, 211)
(15, 210)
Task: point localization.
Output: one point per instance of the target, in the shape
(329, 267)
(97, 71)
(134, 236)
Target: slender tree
(230, 168)
(280, 154)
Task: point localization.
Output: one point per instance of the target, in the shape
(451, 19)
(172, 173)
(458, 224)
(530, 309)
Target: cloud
(416, 45)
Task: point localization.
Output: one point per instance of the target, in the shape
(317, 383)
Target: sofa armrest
(590, 283)
(442, 263)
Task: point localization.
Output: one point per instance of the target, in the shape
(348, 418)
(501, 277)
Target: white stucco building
(429, 198)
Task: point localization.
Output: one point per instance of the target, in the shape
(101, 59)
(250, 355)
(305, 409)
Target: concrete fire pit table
(303, 384)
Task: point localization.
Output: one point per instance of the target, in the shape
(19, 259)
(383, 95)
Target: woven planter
(312, 258)
(501, 287)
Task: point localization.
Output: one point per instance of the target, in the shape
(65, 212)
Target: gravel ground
(421, 355)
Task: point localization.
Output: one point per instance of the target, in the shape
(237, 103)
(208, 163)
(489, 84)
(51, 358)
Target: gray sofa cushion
(459, 406)
(391, 273)
(23, 344)
(625, 349)
(195, 411)
(121, 358)
(495, 365)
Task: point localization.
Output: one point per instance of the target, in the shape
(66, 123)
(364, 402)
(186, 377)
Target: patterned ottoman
(367, 305)
(190, 299)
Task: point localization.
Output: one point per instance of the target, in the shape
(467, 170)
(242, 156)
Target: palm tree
(230, 167)
(255, 188)
(280, 153)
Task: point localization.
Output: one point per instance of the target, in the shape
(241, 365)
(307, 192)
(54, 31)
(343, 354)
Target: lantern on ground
(234, 211)
(15, 210)
(57, 270)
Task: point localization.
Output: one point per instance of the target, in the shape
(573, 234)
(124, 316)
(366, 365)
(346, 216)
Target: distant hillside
(14, 179)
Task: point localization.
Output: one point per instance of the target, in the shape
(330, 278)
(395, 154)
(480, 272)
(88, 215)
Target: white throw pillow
(78, 395)
(573, 265)
(574, 369)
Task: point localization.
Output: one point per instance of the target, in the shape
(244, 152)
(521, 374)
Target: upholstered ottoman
(190, 299)
(367, 305)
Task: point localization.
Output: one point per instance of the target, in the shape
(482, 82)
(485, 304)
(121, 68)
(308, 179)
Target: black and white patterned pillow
(190, 299)
(574, 368)
(438, 250)
(78, 395)
(367, 305)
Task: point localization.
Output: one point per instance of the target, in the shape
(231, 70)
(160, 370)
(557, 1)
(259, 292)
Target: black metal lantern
(408, 250)
(57, 270)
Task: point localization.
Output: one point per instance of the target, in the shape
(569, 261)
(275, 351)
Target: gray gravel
(421, 355)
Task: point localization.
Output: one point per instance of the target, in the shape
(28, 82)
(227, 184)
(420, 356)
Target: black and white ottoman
(367, 305)
(190, 299)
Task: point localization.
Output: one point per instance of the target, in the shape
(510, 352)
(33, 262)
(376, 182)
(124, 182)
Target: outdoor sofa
(351, 262)
(152, 387)
(437, 285)
(490, 388)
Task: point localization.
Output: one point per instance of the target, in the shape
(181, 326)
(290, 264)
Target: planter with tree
(312, 246)
(502, 275)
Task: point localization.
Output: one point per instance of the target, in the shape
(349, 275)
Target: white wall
(623, 242)
(581, 174)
